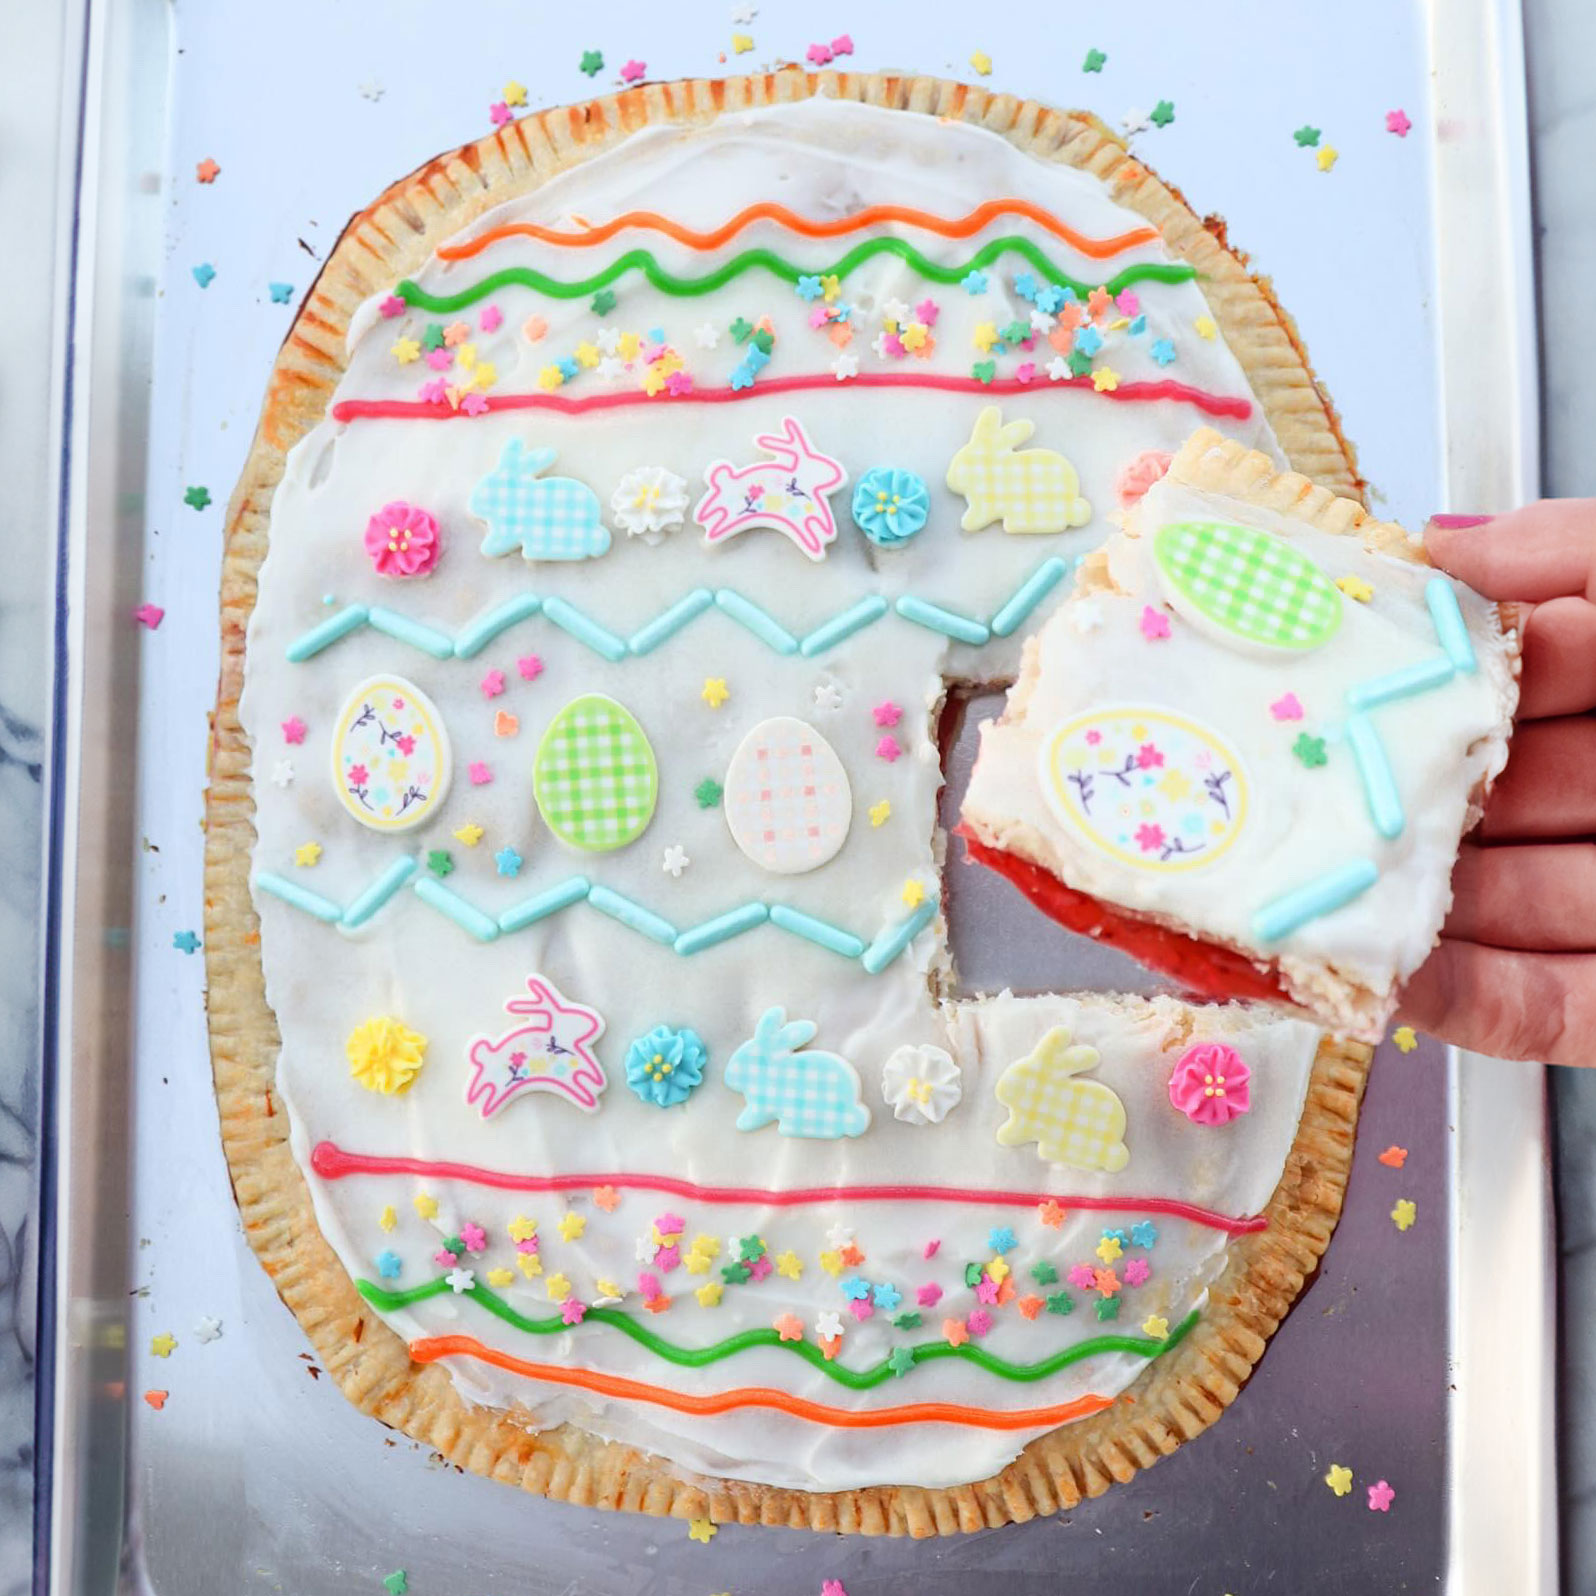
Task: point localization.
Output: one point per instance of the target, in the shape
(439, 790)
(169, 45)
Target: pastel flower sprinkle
(888, 749)
(1397, 122)
(1287, 708)
(1154, 624)
(1381, 1497)
(530, 666)
(480, 772)
(1339, 1479)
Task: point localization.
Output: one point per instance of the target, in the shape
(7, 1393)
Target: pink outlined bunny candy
(550, 1051)
(812, 1094)
(787, 492)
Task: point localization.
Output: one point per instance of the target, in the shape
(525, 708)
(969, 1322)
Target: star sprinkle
(507, 862)
(1394, 1157)
(204, 274)
(1406, 1038)
(1339, 1479)
(1154, 624)
(788, 1326)
(715, 691)
(700, 1529)
(1163, 113)
(1397, 122)
(1306, 137)
(163, 1345)
(1051, 1213)
(1355, 588)
(1094, 61)
(603, 302)
(207, 170)
(1327, 157)
(607, 1198)
(282, 772)
(1381, 1496)
(592, 62)
(306, 854)
(888, 749)
(1403, 1215)
(469, 834)
(675, 861)
(425, 1205)
(1310, 750)
(880, 813)
(887, 714)
(196, 498)
(514, 93)
(186, 942)
(981, 63)
(913, 894)
(828, 696)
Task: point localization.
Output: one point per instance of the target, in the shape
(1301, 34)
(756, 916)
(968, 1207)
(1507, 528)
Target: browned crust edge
(1183, 1392)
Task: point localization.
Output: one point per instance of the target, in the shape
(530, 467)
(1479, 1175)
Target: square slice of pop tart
(1246, 748)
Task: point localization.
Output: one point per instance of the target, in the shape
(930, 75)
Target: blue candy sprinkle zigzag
(609, 645)
(1336, 888)
(874, 956)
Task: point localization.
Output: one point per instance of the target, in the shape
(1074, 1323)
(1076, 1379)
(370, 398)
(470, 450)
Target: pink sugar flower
(1209, 1084)
(1154, 623)
(572, 1311)
(402, 540)
(491, 319)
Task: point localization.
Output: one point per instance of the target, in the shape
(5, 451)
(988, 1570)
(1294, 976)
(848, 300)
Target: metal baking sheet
(1407, 270)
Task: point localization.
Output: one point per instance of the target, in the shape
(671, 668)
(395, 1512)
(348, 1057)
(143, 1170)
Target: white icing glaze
(408, 959)
(1442, 744)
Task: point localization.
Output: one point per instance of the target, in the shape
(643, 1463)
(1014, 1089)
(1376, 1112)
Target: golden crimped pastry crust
(1186, 1390)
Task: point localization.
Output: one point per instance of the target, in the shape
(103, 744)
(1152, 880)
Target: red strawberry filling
(1204, 969)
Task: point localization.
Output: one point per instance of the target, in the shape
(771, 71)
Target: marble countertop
(1561, 36)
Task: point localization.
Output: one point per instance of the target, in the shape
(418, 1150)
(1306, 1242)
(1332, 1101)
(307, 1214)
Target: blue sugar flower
(388, 1265)
(1000, 1238)
(1144, 1233)
(890, 506)
(809, 288)
(1050, 298)
(1088, 340)
(973, 282)
(1163, 351)
(664, 1066)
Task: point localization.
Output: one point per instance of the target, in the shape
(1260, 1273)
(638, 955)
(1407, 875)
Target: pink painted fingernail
(1453, 523)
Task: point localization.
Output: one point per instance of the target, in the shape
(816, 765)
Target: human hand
(1515, 972)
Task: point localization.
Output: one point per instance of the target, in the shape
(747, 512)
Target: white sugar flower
(608, 339)
(675, 860)
(283, 772)
(1041, 322)
(1135, 122)
(828, 696)
(828, 1325)
(610, 369)
(839, 1235)
(208, 1329)
(921, 1084)
(461, 1280)
(648, 502)
(708, 335)
(1058, 368)
(895, 310)
(845, 366)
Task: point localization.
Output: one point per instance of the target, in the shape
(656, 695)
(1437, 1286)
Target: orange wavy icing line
(428, 1349)
(768, 210)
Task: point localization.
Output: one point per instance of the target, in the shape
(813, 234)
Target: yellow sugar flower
(385, 1055)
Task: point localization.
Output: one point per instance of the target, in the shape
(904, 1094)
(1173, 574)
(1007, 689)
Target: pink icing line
(332, 1162)
(1127, 392)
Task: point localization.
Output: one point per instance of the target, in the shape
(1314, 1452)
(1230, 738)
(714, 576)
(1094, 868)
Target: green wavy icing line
(778, 265)
(857, 1379)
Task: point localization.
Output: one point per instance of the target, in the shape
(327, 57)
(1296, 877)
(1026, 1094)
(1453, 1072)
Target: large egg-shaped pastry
(390, 754)
(788, 802)
(594, 775)
(1241, 585)
(1149, 788)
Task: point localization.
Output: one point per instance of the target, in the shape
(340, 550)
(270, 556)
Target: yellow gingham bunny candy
(1029, 490)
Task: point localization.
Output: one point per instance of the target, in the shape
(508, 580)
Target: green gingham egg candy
(594, 777)
(1243, 585)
